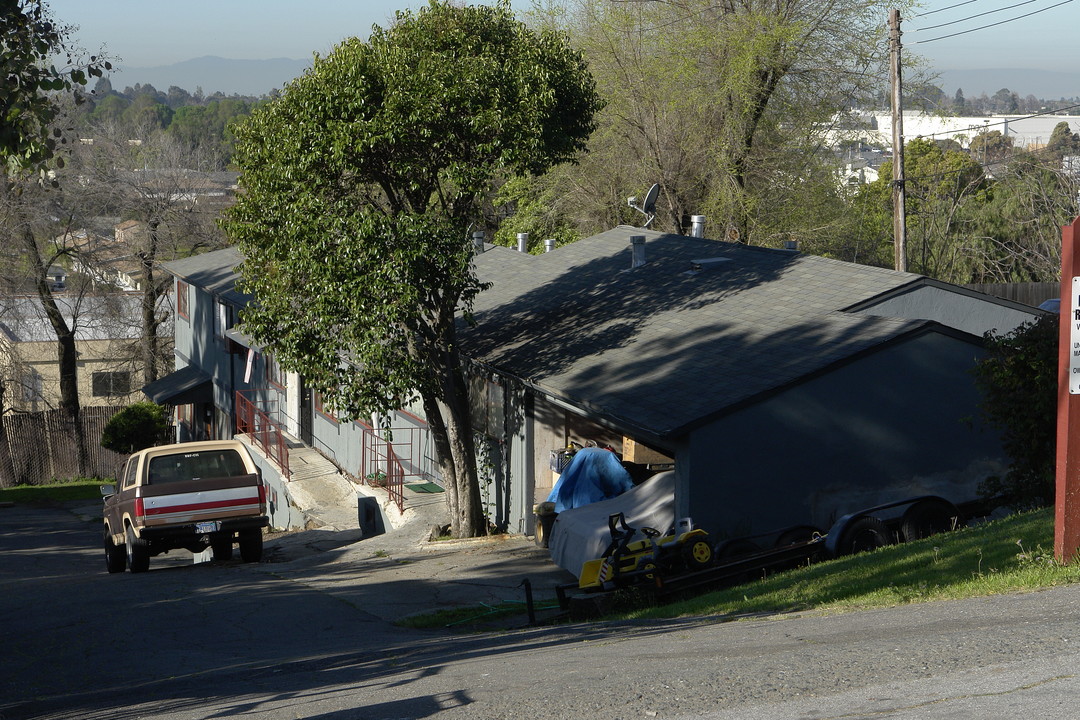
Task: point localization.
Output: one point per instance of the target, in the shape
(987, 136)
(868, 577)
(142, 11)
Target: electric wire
(984, 27)
(972, 17)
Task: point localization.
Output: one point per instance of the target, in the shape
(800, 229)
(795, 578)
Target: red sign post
(1067, 502)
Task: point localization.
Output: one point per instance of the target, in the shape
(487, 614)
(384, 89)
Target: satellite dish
(647, 208)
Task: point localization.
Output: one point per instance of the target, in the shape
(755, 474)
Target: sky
(151, 33)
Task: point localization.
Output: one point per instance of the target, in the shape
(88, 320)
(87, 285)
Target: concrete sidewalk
(403, 572)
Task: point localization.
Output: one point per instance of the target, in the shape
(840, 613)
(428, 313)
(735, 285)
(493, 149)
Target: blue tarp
(594, 474)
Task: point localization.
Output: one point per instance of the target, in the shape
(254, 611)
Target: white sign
(1074, 338)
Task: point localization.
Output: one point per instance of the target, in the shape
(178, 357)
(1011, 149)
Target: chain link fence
(42, 446)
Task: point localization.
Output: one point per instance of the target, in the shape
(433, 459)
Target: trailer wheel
(928, 517)
(866, 533)
(543, 524)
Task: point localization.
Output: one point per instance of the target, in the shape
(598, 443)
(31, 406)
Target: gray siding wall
(971, 314)
(895, 424)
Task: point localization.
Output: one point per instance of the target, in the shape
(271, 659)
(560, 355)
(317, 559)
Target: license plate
(207, 527)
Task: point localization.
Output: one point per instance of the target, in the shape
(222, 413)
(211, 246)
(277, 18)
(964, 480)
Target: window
(33, 388)
(182, 299)
(184, 415)
(195, 465)
(274, 376)
(111, 384)
(317, 399)
(221, 319)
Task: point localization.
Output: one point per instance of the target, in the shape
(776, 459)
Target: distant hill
(258, 77)
(215, 74)
(1043, 84)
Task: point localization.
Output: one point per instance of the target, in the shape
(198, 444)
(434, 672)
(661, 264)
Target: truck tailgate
(204, 499)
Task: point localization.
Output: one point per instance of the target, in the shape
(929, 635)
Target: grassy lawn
(53, 493)
(1013, 554)
(1008, 555)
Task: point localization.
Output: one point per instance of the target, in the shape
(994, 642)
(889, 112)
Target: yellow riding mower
(626, 562)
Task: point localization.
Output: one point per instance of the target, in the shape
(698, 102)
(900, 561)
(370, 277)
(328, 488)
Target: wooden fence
(42, 445)
(1027, 293)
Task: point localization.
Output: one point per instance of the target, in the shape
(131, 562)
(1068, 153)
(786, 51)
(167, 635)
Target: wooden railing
(264, 432)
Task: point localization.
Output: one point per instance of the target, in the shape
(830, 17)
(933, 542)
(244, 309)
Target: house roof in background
(663, 346)
(113, 316)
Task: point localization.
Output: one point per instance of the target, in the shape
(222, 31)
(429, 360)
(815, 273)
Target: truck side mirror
(107, 490)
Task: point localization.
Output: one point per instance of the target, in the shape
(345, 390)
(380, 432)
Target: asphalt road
(297, 640)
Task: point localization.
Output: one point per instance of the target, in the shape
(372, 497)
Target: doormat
(428, 487)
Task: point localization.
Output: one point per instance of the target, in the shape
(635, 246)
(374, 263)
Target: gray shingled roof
(213, 272)
(94, 317)
(660, 348)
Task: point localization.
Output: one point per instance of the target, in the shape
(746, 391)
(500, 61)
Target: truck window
(188, 466)
(130, 473)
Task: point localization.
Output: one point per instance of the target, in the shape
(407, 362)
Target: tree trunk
(149, 340)
(67, 353)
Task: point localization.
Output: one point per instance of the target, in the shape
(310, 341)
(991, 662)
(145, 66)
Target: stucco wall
(970, 314)
(895, 424)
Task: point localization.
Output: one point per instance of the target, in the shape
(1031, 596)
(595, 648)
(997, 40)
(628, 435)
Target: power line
(1002, 22)
(1003, 122)
(972, 17)
(931, 12)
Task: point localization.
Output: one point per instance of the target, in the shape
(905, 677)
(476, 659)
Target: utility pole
(898, 194)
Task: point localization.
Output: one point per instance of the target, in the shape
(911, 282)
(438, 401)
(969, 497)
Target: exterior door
(307, 414)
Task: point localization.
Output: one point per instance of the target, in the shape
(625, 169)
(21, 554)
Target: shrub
(137, 426)
(1018, 380)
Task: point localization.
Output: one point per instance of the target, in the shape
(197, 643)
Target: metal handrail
(264, 431)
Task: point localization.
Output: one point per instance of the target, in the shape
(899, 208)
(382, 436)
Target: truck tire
(115, 555)
(866, 533)
(251, 545)
(927, 517)
(138, 552)
(221, 546)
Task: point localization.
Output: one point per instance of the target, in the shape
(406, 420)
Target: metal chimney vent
(637, 245)
(697, 226)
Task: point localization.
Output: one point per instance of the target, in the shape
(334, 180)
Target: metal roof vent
(791, 245)
(706, 264)
(697, 226)
(478, 241)
(637, 245)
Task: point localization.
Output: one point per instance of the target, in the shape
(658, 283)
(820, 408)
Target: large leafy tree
(33, 92)
(360, 185)
(943, 184)
(724, 104)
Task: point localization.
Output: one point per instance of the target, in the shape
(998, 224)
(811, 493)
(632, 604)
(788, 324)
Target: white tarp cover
(582, 534)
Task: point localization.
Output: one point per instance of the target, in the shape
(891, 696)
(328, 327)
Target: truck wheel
(138, 552)
(928, 517)
(866, 533)
(221, 545)
(115, 555)
(251, 545)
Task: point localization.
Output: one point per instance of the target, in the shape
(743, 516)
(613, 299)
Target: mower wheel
(698, 555)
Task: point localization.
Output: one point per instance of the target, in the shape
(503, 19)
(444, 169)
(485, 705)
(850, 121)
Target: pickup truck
(191, 495)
